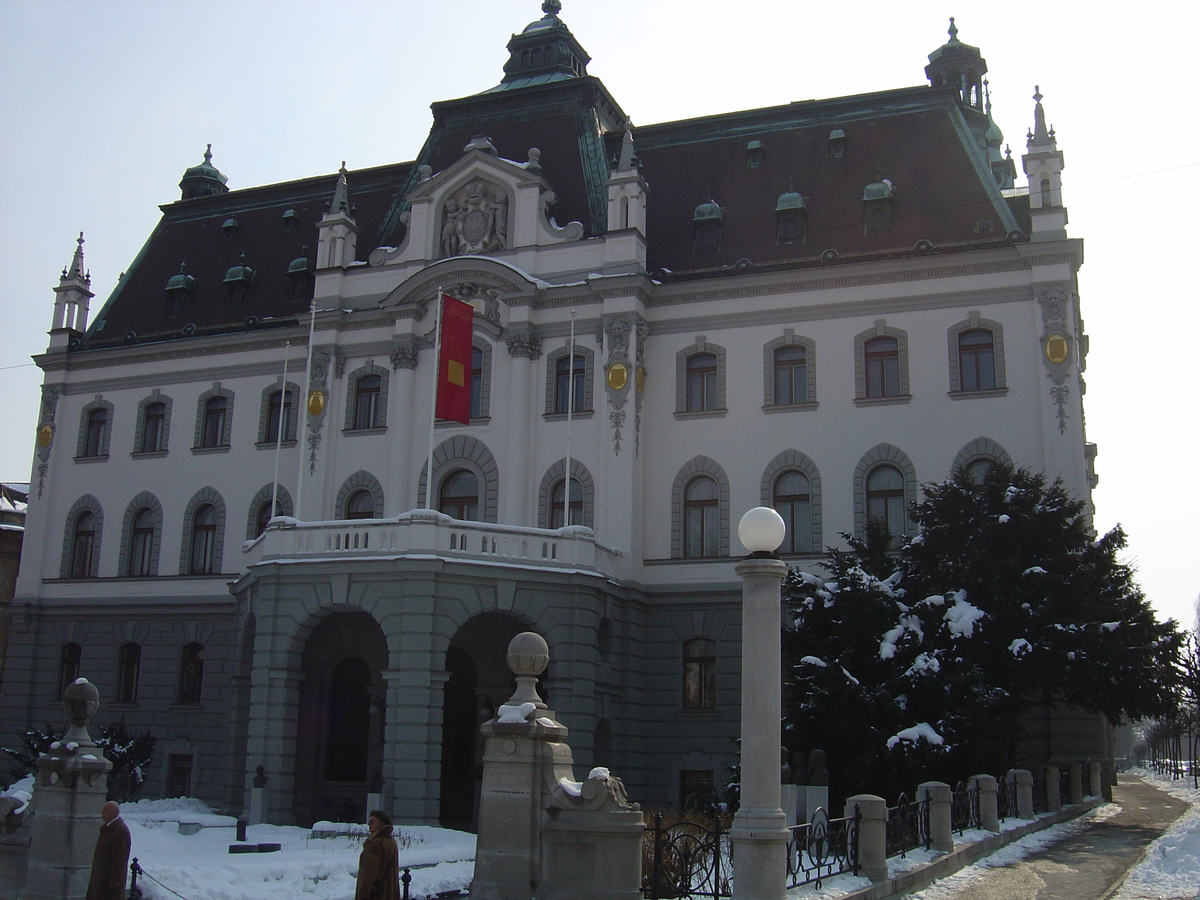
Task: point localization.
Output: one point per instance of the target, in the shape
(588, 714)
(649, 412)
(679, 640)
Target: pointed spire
(341, 193)
(627, 161)
(1039, 135)
(953, 32)
(76, 269)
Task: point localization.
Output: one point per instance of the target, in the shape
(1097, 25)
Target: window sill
(479, 421)
(562, 417)
(182, 706)
(200, 451)
(789, 407)
(362, 432)
(147, 454)
(697, 715)
(883, 401)
(92, 459)
(701, 413)
(270, 445)
(973, 395)
(122, 704)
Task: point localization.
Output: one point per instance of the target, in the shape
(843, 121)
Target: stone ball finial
(80, 701)
(528, 654)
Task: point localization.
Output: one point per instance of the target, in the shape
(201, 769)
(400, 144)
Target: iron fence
(1006, 798)
(964, 807)
(822, 848)
(908, 826)
(1039, 792)
(685, 859)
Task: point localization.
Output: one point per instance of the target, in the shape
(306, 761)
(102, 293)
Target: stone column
(1075, 774)
(1024, 780)
(1053, 789)
(989, 815)
(759, 830)
(872, 834)
(1095, 783)
(71, 786)
(941, 831)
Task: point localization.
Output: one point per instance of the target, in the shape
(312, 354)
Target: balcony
(426, 533)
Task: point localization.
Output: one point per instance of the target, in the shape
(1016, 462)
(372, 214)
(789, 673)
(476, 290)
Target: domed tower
(545, 51)
(204, 180)
(960, 66)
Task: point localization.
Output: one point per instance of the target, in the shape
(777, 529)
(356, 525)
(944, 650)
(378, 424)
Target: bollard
(989, 814)
(872, 835)
(941, 836)
(1075, 774)
(241, 830)
(135, 892)
(1053, 789)
(406, 880)
(1024, 780)
(1095, 786)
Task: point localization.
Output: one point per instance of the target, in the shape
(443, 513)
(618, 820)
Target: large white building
(816, 307)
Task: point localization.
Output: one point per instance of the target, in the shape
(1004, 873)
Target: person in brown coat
(111, 856)
(379, 862)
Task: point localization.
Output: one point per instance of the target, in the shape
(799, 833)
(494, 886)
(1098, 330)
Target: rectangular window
(279, 405)
(882, 360)
(700, 674)
(93, 443)
(179, 775)
(701, 382)
(977, 360)
(791, 376)
(212, 433)
(569, 384)
(366, 401)
(191, 673)
(154, 421)
(476, 383)
(129, 665)
(695, 788)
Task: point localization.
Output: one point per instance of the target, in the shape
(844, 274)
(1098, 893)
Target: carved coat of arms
(475, 219)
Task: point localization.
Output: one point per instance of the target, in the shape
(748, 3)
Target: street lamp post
(759, 832)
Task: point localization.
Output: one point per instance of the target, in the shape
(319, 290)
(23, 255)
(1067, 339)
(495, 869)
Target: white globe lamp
(761, 530)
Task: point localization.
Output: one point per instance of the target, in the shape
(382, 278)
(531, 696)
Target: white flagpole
(570, 412)
(287, 348)
(312, 328)
(437, 374)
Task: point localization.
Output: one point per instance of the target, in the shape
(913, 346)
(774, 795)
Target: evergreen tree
(1003, 600)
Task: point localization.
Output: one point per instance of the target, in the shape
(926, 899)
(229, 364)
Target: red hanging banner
(454, 363)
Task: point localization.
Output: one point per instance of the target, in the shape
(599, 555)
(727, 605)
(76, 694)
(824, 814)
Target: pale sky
(104, 104)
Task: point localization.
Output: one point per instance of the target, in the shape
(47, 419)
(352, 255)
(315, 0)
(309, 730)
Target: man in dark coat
(111, 857)
(379, 862)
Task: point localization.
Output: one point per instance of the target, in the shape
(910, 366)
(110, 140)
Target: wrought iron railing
(908, 825)
(1064, 785)
(822, 848)
(1040, 799)
(1006, 797)
(685, 859)
(964, 807)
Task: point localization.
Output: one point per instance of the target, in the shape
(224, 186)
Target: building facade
(233, 526)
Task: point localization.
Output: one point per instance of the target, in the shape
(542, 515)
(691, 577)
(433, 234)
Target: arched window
(701, 382)
(129, 666)
(701, 518)
(83, 543)
(264, 515)
(699, 674)
(94, 443)
(569, 383)
(360, 505)
(885, 500)
(575, 504)
(68, 665)
(793, 501)
(791, 375)
(882, 367)
(191, 673)
(154, 428)
(366, 401)
(976, 360)
(1047, 197)
(141, 544)
(212, 429)
(977, 470)
(202, 556)
(459, 496)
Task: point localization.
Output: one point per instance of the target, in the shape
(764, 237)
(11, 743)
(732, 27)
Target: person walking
(111, 856)
(379, 862)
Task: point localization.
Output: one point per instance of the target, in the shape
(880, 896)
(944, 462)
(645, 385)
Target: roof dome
(545, 51)
(204, 180)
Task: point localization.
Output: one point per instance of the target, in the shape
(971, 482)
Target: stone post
(71, 786)
(1024, 781)
(1075, 774)
(1053, 789)
(759, 830)
(1095, 780)
(941, 832)
(872, 834)
(256, 797)
(989, 814)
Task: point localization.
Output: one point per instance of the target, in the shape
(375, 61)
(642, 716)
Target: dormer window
(791, 218)
(229, 228)
(302, 277)
(754, 154)
(707, 221)
(837, 144)
(179, 291)
(237, 283)
(289, 221)
(878, 207)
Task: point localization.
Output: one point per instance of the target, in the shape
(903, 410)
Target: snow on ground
(1171, 868)
(200, 867)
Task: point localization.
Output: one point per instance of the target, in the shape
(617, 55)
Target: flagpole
(570, 411)
(437, 376)
(312, 329)
(287, 347)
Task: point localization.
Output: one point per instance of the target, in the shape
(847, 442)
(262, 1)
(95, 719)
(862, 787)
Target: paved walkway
(1088, 865)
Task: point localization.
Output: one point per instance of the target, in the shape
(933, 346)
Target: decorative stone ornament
(528, 656)
(80, 702)
(475, 219)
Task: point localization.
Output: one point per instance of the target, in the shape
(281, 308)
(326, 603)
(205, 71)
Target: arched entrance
(341, 717)
(479, 682)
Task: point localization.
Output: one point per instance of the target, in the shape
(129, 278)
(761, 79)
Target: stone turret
(1043, 163)
(71, 299)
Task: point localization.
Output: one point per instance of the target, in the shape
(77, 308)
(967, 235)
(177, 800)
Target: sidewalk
(1088, 865)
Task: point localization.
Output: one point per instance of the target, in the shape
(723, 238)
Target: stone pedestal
(941, 829)
(759, 830)
(989, 809)
(872, 834)
(1075, 782)
(71, 786)
(789, 800)
(1024, 781)
(1053, 789)
(1095, 779)
(810, 798)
